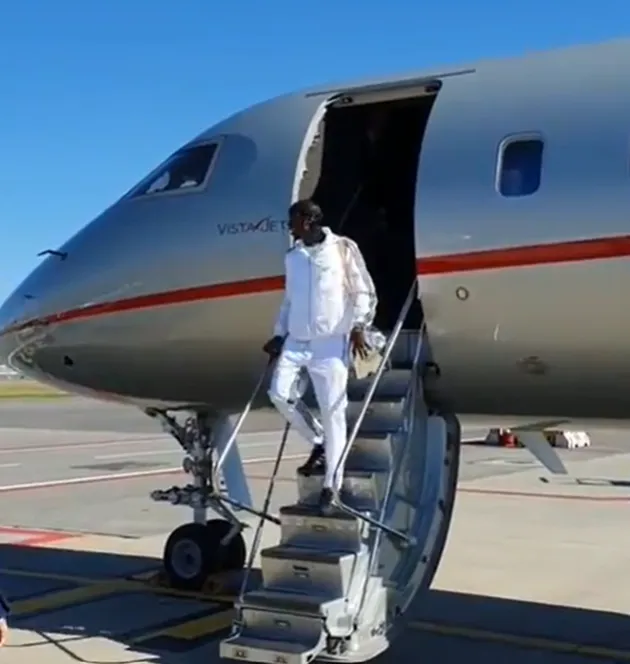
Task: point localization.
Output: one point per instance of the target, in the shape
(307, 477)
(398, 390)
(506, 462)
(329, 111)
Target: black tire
(193, 552)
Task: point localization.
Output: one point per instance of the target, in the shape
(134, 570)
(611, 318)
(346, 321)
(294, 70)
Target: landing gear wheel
(193, 552)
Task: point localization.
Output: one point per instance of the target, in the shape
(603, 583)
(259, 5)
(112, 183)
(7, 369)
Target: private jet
(491, 202)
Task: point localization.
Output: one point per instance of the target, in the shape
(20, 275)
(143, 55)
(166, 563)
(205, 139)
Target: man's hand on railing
(273, 347)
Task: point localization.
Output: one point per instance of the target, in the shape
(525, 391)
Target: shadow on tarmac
(64, 595)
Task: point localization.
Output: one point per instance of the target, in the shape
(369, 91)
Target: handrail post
(265, 509)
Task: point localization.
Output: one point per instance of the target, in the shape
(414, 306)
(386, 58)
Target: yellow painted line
(126, 584)
(530, 642)
(63, 598)
(223, 599)
(50, 576)
(145, 576)
(192, 629)
(185, 594)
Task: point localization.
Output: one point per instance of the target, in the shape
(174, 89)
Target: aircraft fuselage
(517, 229)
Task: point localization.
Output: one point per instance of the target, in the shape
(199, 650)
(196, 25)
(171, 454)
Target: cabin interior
(368, 164)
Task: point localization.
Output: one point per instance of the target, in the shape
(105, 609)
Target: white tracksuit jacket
(328, 290)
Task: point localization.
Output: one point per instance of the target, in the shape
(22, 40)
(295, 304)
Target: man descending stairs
(329, 300)
(324, 594)
(325, 591)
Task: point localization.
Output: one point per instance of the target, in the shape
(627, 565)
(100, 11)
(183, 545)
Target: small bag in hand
(375, 339)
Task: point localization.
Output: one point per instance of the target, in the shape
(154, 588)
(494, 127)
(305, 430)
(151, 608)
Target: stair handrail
(367, 399)
(216, 479)
(265, 510)
(410, 408)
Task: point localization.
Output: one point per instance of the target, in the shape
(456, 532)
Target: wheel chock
(224, 583)
(223, 586)
(228, 584)
(156, 580)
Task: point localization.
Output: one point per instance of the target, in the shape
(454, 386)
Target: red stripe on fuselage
(530, 256)
(492, 259)
(179, 296)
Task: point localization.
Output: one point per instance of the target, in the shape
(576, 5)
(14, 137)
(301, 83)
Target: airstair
(335, 587)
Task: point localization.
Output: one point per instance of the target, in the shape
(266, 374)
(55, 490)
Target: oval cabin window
(521, 167)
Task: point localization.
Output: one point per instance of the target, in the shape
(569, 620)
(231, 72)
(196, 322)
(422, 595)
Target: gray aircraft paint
(543, 341)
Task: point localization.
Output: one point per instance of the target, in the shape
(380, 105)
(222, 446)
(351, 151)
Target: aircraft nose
(23, 320)
(9, 311)
(62, 326)
(97, 265)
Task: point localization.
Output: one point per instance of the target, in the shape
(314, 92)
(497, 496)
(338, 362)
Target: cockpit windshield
(188, 169)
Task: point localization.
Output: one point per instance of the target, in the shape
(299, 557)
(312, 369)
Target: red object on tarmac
(507, 439)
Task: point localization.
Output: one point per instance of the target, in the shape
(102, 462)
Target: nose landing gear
(204, 548)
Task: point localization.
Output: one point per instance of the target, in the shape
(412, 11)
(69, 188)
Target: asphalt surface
(76, 414)
(513, 578)
(58, 456)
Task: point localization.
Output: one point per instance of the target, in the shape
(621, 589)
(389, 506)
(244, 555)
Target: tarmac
(535, 567)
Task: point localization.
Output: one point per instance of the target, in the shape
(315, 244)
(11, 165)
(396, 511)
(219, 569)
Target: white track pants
(326, 361)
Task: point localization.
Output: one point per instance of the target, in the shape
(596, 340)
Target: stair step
(321, 572)
(405, 345)
(278, 601)
(361, 489)
(267, 651)
(382, 417)
(312, 511)
(291, 616)
(371, 451)
(300, 554)
(382, 408)
(305, 526)
(392, 386)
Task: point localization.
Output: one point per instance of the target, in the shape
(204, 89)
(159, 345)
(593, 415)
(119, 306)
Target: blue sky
(94, 94)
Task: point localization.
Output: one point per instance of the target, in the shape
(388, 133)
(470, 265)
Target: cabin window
(186, 170)
(520, 167)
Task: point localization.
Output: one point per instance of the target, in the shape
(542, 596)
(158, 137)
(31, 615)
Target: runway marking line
(158, 452)
(192, 630)
(138, 439)
(64, 598)
(551, 496)
(35, 537)
(112, 477)
(130, 584)
(68, 447)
